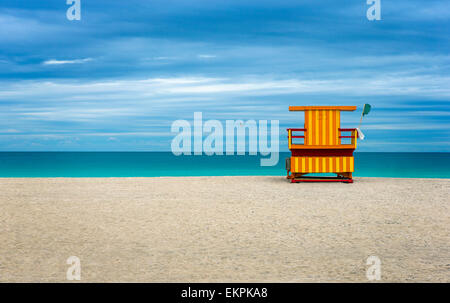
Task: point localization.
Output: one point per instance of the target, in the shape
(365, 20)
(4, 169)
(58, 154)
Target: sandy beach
(223, 229)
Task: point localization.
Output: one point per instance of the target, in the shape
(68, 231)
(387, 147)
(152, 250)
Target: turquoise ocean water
(155, 164)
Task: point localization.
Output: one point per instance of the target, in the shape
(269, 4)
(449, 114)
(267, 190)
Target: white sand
(229, 229)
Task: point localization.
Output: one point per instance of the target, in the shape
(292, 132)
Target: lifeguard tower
(320, 147)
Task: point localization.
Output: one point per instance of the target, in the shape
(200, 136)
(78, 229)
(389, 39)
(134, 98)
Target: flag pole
(360, 121)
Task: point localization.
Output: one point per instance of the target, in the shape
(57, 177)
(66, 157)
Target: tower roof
(305, 108)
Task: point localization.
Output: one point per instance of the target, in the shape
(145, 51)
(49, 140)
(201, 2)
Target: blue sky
(118, 78)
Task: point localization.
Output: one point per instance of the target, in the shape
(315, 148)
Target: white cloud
(141, 104)
(9, 131)
(206, 56)
(385, 85)
(108, 135)
(59, 62)
(164, 58)
(407, 126)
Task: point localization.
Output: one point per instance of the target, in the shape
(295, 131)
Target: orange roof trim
(304, 108)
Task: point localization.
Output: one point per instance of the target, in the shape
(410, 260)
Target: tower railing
(343, 134)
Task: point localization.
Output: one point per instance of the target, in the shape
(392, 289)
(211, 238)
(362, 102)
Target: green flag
(366, 109)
